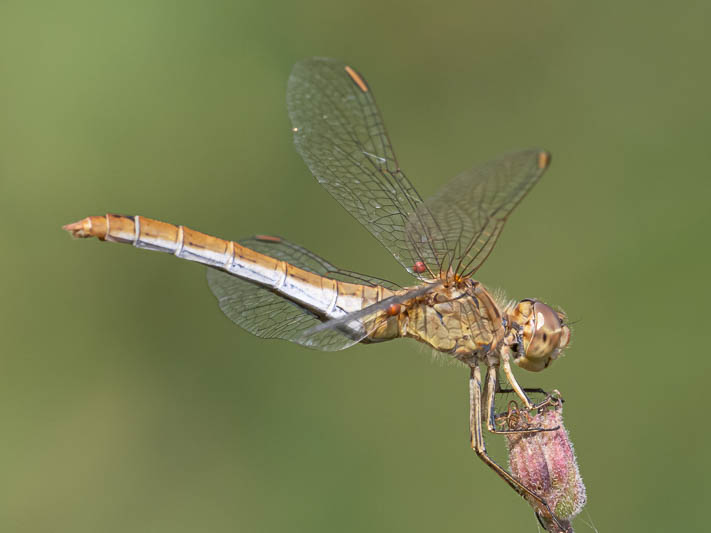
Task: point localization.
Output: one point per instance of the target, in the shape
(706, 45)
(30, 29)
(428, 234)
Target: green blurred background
(128, 402)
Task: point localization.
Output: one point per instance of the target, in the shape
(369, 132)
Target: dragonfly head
(541, 334)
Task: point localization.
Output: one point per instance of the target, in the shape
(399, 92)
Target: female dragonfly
(276, 289)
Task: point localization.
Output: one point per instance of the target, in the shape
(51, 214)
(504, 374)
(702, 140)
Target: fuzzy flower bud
(545, 463)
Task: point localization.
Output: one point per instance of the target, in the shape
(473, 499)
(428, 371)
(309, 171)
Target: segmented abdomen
(327, 298)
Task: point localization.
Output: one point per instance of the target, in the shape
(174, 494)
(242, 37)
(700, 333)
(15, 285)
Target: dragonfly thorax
(536, 334)
(459, 318)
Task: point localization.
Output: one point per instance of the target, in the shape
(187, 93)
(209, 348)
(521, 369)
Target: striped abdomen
(327, 298)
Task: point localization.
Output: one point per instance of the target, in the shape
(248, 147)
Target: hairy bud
(545, 463)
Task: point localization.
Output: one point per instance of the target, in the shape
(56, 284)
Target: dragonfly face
(541, 334)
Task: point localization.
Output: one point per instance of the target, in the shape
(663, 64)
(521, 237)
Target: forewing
(369, 316)
(268, 315)
(340, 134)
(301, 257)
(463, 220)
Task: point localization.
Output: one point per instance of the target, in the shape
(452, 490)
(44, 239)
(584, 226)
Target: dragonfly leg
(550, 399)
(476, 438)
(491, 391)
(531, 390)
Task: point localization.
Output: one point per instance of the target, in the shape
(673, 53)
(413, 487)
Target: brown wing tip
(544, 159)
(359, 81)
(267, 238)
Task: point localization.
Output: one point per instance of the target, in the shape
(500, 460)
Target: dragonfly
(274, 288)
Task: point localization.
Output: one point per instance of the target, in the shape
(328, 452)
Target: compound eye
(548, 332)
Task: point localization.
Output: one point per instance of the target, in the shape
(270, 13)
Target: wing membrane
(340, 135)
(464, 219)
(368, 315)
(301, 257)
(268, 315)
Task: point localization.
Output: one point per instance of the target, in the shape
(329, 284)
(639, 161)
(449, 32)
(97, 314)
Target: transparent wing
(265, 314)
(301, 257)
(340, 135)
(368, 316)
(462, 221)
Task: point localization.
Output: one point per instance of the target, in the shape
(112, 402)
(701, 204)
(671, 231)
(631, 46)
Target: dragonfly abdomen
(325, 297)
